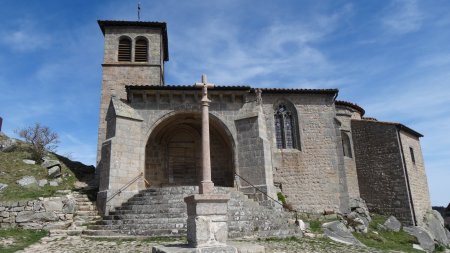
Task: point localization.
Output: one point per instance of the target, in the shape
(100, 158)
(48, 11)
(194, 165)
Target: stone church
(317, 151)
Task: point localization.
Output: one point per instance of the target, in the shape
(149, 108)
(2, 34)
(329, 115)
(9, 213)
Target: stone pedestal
(207, 220)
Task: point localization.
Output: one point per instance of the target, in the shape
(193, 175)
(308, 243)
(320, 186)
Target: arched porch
(173, 152)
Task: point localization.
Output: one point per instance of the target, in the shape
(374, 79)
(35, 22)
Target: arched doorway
(173, 152)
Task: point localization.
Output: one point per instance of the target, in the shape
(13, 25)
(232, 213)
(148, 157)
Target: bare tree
(42, 139)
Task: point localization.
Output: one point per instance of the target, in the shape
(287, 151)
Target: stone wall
(309, 176)
(43, 213)
(344, 115)
(381, 174)
(416, 175)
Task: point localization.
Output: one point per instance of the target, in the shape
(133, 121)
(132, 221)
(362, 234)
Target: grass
(386, 240)
(12, 168)
(18, 239)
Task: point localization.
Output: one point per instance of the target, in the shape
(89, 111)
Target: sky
(391, 57)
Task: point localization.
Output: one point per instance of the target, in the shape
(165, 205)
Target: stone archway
(173, 152)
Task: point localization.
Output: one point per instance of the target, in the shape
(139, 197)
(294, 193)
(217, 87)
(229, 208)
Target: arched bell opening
(173, 152)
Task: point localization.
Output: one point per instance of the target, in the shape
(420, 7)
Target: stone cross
(206, 185)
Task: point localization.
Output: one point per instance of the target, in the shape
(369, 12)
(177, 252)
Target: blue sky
(390, 57)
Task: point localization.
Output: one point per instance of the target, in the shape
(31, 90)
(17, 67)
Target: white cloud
(402, 16)
(25, 37)
(277, 53)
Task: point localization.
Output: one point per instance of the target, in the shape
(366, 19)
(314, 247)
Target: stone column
(206, 185)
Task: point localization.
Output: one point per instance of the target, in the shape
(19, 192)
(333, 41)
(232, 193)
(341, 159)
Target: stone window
(411, 150)
(141, 50)
(346, 145)
(124, 53)
(286, 126)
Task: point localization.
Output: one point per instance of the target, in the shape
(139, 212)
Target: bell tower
(134, 54)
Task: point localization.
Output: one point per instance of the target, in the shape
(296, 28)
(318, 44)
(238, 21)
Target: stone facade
(319, 152)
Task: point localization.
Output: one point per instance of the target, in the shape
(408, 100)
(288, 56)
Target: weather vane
(139, 11)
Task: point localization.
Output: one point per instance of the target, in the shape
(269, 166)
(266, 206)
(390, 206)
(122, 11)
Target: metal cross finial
(139, 11)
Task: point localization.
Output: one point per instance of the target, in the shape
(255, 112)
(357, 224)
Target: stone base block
(234, 248)
(207, 220)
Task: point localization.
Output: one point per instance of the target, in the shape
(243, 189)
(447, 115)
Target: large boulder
(54, 172)
(434, 223)
(50, 163)
(392, 224)
(27, 216)
(28, 161)
(359, 218)
(42, 182)
(3, 186)
(424, 238)
(337, 231)
(53, 205)
(7, 144)
(27, 181)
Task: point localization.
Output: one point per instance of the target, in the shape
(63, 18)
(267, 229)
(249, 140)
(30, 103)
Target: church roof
(351, 105)
(235, 87)
(399, 126)
(298, 91)
(161, 25)
(183, 87)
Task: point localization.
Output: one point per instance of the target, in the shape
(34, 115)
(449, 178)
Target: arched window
(286, 126)
(346, 146)
(141, 50)
(124, 49)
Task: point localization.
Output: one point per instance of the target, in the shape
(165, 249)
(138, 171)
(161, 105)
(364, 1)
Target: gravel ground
(82, 245)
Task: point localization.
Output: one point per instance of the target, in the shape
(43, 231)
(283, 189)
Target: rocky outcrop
(3, 186)
(53, 167)
(27, 181)
(359, 218)
(425, 240)
(338, 231)
(392, 224)
(7, 144)
(434, 223)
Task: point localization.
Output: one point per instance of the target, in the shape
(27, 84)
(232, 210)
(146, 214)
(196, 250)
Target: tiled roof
(352, 105)
(183, 87)
(161, 25)
(400, 126)
(298, 91)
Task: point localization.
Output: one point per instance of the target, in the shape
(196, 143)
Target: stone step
(69, 232)
(150, 211)
(117, 216)
(143, 221)
(156, 207)
(86, 213)
(119, 233)
(87, 208)
(138, 226)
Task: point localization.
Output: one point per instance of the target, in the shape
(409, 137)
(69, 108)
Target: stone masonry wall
(416, 175)
(380, 169)
(309, 176)
(43, 213)
(345, 115)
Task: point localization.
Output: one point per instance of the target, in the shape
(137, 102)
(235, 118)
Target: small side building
(390, 168)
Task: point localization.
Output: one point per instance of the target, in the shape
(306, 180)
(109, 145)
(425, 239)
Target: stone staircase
(85, 214)
(160, 212)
